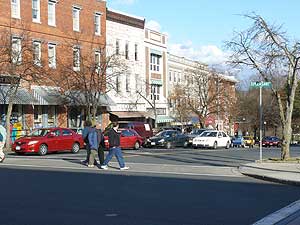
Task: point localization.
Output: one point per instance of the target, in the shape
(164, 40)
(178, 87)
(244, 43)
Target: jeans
(101, 154)
(118, 153)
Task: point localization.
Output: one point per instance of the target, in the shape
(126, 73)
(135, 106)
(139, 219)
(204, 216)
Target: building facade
(125, 40)
(182, 75)
(156, 87)
(49, 26)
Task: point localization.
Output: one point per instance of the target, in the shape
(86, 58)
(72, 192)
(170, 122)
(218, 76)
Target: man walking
(2, 142)
(85, 133)
(95, 138)
(114, 148)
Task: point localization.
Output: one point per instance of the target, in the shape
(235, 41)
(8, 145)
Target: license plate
(18, 148)
(152, 143)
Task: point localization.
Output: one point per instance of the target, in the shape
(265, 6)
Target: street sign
(261, 84)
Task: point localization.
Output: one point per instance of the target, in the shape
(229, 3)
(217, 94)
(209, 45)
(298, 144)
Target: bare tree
(266, 49)
(179, 103)
(20, 64)
(89, 74)
(208, 93)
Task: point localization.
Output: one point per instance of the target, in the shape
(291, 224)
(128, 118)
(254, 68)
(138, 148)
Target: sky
(198, 29)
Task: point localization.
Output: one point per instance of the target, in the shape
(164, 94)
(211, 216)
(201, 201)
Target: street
(178, 186)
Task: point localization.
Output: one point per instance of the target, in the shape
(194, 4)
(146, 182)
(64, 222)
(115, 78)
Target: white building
(156, 75)
(125, 38)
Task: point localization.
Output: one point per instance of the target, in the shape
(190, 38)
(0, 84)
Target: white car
(212, 139)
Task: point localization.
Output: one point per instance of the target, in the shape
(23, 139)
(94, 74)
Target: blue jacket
(93, 139)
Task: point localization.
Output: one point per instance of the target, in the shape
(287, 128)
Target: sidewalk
(287, 173)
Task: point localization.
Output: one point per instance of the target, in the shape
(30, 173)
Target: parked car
(168, 139)
(238, 141)
(249, 141)
(271, 141)
(129, 139)
(46, 140)
(194, 133)
(212, 139)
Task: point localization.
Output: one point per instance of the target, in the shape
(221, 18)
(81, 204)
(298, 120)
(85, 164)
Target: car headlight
(32, 142)
(162, 140)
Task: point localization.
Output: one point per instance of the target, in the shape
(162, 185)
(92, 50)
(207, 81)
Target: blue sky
(197, 29)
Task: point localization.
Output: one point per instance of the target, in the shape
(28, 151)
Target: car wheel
(136, 145)
(168, 145)
(228, 145)
(215, 145)
(75, 148)
(43, 149)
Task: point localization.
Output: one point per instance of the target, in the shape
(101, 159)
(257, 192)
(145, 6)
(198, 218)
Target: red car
(271, 141)
(46, 140)
(129, 139)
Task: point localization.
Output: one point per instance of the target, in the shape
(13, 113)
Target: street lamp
(265, 128)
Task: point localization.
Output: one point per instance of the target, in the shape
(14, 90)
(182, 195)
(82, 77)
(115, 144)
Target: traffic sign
(258, 84)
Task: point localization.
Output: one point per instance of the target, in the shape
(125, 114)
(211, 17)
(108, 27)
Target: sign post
(260, 85)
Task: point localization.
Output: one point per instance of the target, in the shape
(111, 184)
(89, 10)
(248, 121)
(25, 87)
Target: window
(98, 62)
(127, 82)
(76, 21)
(179, 77)
(155, 92)
(154, 62)
(117, 47)
(136, 52)
(16, 50)
(175, 74)
(15, 9)
(36, 11)
(51, 13)
(126, 51)
(37, 53)
(66, 132)
(118, 84)
(97, 23)
(170, 76)
(52, 55)
(76, 58)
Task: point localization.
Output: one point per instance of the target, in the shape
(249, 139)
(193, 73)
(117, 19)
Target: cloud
(123, 2)
(153, 25)
(209, 54)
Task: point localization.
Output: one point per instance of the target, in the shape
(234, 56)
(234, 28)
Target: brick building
(58, 32)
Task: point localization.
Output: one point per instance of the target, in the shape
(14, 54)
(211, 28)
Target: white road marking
(280, 214)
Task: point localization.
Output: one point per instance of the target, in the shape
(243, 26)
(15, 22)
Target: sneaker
(91, 166)
(2, 160)
(104, 167)
(124, 168)
(84, 162)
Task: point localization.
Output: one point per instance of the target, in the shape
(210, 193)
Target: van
(143, 129)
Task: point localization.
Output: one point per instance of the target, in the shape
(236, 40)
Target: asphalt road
(59, 195)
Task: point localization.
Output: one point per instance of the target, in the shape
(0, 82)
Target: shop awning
(78, 98)
(164, 119)
(23, 96)
(48, 96)
(132, 114)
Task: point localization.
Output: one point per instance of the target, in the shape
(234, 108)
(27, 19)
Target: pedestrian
(2, 142)
(101, 143)
(94, 142)
(114, 148)
(85, 132)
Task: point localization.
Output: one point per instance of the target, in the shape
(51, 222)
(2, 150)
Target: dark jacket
(113, 138)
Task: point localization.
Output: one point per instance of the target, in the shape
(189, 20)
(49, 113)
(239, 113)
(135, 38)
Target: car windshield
(209, 134)
(39, 133)
(165, 133)
(197, 132)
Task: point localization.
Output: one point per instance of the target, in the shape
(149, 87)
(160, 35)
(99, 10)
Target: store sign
(261, 84)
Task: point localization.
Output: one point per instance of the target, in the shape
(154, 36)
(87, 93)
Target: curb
(267, 178)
